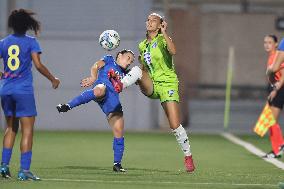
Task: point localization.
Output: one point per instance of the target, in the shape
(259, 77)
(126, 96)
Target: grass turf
(153, 160)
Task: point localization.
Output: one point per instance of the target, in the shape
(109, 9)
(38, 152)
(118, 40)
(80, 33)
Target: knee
(118, 132)
(99, 91)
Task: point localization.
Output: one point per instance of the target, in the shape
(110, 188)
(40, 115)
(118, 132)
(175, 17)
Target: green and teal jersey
(156, 57)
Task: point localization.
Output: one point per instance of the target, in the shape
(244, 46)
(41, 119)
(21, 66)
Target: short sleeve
(107, 59)
(35, 48)
(281, 45)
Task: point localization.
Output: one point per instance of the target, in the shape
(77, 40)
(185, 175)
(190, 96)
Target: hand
(269, 71)
(87, 82)
(164, 25)
(272, 95)
(55, 83)
(271, 78)
(277, 86)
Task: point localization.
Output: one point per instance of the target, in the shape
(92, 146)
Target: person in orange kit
(275, 98)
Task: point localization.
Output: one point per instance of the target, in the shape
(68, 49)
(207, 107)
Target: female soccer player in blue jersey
(104, 92)
(18, 51)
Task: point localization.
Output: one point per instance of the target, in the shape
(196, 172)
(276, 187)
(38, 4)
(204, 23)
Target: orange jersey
(270, 62)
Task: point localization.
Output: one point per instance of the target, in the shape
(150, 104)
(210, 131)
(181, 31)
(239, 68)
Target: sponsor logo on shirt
(154, 45)
(171, 93)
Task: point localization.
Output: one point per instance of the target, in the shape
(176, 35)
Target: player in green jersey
(158, 80)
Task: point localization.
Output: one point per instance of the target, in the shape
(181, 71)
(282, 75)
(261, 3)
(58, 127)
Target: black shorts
(278, 101)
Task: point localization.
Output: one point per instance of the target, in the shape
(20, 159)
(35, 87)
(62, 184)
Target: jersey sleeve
(107, 59)
(35, 48)
(281, 45)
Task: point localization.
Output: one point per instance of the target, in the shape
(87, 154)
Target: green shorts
(165, 91)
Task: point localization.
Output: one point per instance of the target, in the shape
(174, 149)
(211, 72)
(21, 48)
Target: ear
(119, 56)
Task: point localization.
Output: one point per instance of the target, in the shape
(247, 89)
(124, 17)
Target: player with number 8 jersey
(18, 51)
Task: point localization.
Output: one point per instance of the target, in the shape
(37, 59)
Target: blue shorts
(110, 103)
(19, 105)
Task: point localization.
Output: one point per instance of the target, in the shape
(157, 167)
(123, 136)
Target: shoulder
(108, 59)
(6, 38)
(161, 37)
(31, 39)
(142, 44)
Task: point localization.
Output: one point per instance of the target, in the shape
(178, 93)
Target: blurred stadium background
(203, 31)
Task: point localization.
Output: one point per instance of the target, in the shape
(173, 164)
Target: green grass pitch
(68, 160)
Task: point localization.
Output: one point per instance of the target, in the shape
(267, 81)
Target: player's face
(153, 23)
(269, 44)
(125, 60)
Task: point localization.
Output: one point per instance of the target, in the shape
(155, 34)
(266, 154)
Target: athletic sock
(118, 149)
(182, 139)
(26, 159)
(6, 155)
(83, 98)
(276, 137)
(132, 76)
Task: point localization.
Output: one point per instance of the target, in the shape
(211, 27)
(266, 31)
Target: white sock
(132, 76)
(182, 139)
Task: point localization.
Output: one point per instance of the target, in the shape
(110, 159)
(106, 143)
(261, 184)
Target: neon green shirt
(156, 57)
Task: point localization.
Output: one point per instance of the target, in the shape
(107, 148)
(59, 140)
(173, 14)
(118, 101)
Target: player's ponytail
(22, 20)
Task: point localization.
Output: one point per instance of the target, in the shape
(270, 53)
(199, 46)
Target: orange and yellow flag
(265, 120)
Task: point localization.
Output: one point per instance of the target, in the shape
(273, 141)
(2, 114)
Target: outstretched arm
(44, 71)
(94, 74)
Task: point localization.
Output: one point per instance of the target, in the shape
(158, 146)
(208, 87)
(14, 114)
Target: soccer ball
(109, 40)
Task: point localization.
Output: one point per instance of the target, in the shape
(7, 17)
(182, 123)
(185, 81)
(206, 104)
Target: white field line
(254, 150)
(152, 182)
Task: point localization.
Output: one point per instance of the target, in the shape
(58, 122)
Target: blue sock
(6, 155)
(26, 159)
(83, 98)
(118, 149)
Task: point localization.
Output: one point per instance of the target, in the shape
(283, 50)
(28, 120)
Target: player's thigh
(171, 109)
(146, 83)
(12, 124)
(275, 111)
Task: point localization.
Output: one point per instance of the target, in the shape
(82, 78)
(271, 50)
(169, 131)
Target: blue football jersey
(16, 52)
(281, 45)
(110, 63)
